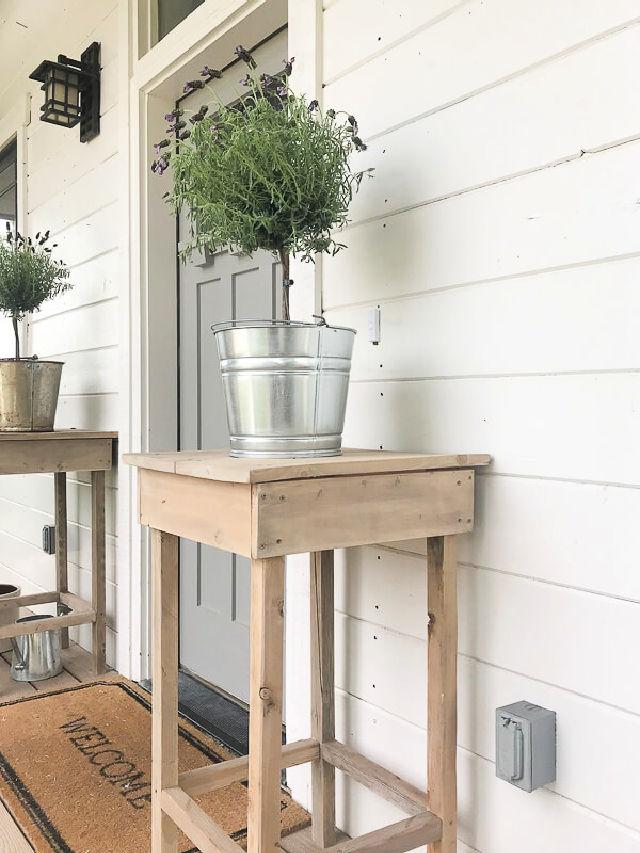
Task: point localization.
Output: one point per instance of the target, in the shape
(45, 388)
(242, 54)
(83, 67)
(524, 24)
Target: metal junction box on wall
(526, 745)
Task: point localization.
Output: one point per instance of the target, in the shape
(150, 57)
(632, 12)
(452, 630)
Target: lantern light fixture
(72, 91)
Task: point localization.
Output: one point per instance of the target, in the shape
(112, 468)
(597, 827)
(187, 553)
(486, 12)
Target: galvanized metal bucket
(28, 394)
(285, 386)
(36, 656)
(9, 614)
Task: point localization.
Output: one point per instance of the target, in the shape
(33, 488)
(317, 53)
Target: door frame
(157, 79)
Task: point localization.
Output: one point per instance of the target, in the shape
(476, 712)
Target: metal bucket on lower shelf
(285, 386)
(28, 394)
(36, 657)
(9, 613)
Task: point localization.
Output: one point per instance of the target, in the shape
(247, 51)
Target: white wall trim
(128, 626)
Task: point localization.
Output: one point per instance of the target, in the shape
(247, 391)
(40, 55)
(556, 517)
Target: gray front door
(214, 585)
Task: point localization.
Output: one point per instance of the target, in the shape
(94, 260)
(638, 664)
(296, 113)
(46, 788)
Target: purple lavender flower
(160, 145)
(210, 73)
(269, 83)
(184, 135)
(288, 65)
(359, 144)
(331, 113)
(246, 80)
(160, 165)
(313, 106)
(245, 56)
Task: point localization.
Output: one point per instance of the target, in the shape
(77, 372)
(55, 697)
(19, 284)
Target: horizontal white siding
(500, 239)
(72, 190)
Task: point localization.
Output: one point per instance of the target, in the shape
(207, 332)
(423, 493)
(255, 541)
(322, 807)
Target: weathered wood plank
(397, 838)
(13, 841)
(27, 628)
(57, 435)
(323, 714)
(300, 842)
(218, 465)
(10, 689)
(309, 515)
(195, 823)
(79, 663)
(29, 600)
(203, 779)
(442, 705)
(265, 718)
(48, 455)
(383, 782)
(217, 514)
(98, 571)
(165, 579)
(60, 517)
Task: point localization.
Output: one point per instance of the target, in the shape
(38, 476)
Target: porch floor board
(77, 669)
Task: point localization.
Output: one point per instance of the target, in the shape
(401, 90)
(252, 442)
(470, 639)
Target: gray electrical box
(49, 539)
(526, 745)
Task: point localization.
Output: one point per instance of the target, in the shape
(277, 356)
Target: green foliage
(28, 275)
(271, 171)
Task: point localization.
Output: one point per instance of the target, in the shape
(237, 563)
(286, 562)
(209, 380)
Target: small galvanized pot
(36, 657)
(285, 386)
(28, 394)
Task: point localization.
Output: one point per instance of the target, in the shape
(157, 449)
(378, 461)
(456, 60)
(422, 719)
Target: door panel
(214, 585)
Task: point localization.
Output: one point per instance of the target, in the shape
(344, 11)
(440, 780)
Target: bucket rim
(262, 324)
(36, 617)
(29, 361)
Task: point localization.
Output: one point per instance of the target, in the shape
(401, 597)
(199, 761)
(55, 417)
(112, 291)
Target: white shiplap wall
(500, 238)
(72, 189)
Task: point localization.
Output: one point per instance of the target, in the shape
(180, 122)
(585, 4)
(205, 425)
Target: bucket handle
(239, 324)
(20, 665)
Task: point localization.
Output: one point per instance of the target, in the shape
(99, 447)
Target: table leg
(99, 582)
(323, 806)
(164, 564)
(442, 722)
(265, 720)
(60, 519)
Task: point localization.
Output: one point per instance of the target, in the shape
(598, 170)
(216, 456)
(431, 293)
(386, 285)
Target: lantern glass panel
(62, 90)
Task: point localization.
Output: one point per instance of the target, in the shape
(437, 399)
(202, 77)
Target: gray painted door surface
(214, 585)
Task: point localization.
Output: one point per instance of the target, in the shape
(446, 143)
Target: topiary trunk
(14, 320)
(286, 284)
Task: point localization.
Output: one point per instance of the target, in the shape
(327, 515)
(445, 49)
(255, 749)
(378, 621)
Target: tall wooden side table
(266, 509)
(58, 452)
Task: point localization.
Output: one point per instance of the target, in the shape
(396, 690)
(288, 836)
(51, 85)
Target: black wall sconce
(72, 91)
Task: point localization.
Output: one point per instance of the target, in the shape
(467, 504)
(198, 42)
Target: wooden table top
(218, 465)
(56, 434)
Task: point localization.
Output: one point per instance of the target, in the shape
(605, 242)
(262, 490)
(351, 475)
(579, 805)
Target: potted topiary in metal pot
(28, 387)
(271, 171)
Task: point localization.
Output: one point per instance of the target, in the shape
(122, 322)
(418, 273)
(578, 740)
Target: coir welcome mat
(75, 772)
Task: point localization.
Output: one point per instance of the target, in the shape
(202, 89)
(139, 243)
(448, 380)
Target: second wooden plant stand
(266, 509)
(59, 452)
